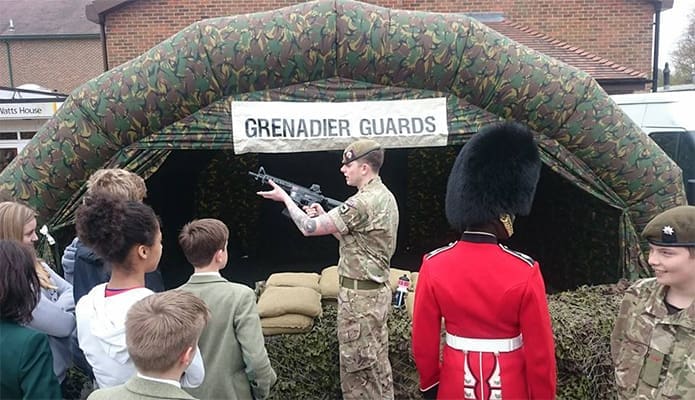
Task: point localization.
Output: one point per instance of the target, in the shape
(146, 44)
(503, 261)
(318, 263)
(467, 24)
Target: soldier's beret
(359, 149)
(674, 227)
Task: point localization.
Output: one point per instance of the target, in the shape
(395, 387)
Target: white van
(669, 119)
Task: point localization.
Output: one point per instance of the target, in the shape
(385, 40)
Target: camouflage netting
(223, 190)
(571, 233)
(178, 96)
(307, 364)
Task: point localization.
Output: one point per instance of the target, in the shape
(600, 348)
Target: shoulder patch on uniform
(523, 257)
(347, 205)
(439, 250)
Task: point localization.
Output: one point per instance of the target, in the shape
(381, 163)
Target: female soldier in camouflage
(653, 341)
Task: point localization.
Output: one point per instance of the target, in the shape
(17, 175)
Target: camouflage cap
(674, 227)
(359, 149)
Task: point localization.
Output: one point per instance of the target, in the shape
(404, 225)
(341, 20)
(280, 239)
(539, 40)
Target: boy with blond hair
(162, 331)
(82, 267)
(119, 182)
(232, 345)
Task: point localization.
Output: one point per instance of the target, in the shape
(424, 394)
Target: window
(680, 146)
(8, 135)
(686, 156)
(668, 141)
(6, 155)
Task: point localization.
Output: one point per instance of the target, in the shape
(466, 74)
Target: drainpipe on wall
(9, 62)
(102, 33)
(655, 67)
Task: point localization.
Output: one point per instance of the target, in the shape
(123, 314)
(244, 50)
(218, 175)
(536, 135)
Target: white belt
(484, 345)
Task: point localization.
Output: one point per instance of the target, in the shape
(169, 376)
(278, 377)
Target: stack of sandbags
(289, 303)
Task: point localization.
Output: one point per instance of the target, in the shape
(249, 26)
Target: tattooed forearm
(321, 225)
(300, 218)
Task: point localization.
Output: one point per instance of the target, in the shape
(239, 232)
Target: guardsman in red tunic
(498, 342)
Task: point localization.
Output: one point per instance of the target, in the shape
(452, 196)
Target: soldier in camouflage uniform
(366, 226)
(653, 341)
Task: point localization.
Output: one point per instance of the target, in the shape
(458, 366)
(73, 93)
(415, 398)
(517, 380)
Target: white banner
(27, 110)
(286, 127)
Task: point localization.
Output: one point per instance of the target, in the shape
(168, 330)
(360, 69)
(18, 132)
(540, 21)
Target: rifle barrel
(326, 202)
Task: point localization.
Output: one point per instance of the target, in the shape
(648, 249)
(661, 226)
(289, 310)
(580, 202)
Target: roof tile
(45, 18)
(598, 67)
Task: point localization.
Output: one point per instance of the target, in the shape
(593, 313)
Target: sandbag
(410, 304)
(413, 280)
(280, 300)
(328, 284)
(282, 331)
(287, 323)
(294, 279)
(410, 299)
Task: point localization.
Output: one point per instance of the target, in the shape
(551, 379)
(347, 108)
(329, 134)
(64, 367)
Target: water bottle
(401, 292)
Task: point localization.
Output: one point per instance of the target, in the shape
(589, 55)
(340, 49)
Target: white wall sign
(27, 110)
(284, 127)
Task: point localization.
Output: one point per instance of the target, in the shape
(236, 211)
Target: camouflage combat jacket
(368, 225)
(653, 352)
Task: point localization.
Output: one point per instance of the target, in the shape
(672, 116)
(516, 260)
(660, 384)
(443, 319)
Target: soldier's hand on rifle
(314, 210)
(277, 194)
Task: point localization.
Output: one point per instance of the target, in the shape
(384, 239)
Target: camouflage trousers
(363, 338)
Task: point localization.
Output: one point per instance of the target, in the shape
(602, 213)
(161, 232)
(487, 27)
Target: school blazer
(232, 345)
(137, 388)
(26, 364)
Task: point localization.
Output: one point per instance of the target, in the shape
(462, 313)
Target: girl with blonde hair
(54, 312)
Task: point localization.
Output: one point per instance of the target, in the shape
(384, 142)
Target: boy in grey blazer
(232, 345)
(161, 335)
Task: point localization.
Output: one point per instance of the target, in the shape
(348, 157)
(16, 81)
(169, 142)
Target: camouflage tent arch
(134, 114)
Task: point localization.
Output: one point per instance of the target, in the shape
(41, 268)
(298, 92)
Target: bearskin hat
(495, 173)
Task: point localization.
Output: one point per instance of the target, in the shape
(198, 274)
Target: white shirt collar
(215, 273)
(168, 381)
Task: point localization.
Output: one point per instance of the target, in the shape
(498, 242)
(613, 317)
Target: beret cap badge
(668, 234)
(359, 149)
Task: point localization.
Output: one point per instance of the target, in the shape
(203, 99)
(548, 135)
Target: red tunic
(483, 290)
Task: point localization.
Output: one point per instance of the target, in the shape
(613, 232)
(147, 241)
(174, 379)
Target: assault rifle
(301, 195)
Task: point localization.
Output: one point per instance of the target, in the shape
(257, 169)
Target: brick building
(614, 36)
(48, 43)
(47, 47)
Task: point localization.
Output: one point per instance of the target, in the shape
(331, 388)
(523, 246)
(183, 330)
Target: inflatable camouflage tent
(179, 96)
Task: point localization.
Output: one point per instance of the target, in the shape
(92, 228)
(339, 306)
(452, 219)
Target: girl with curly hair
(127, 235)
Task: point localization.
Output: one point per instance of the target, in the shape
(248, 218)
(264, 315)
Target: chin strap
(507, 221)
